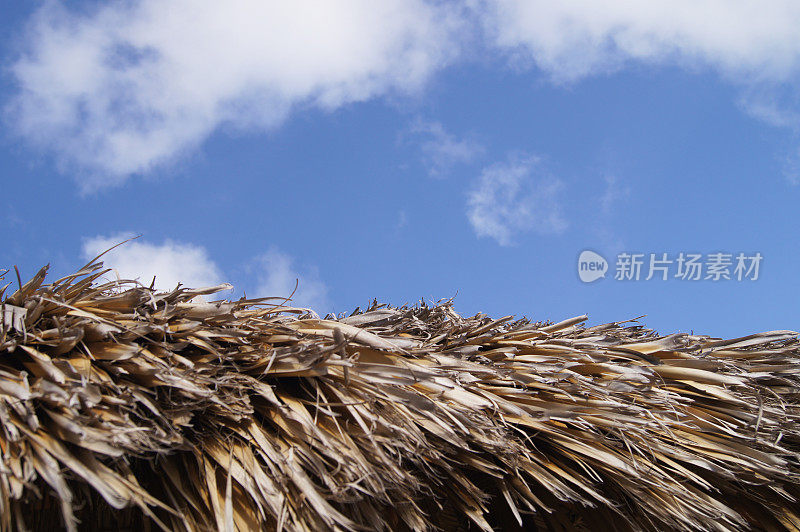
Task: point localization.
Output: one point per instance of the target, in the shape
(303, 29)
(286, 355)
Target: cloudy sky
(408, 149)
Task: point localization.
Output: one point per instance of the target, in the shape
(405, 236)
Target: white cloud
(752, 41)
(441, 151)
(276, 276)
(121, 88)
(515, 197)
(171, 262)
(754, 45)
(128, 86)
(274, 273)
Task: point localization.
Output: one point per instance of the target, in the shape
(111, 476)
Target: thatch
(250, 415)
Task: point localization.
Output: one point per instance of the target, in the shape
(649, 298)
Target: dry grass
(250, 415)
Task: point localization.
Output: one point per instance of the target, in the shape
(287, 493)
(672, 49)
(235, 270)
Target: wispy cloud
(169, 262)
(615, 191)
(122, 88)
(778, 106)
(515, 197)
(442, 151)
(277, 276)
(791, 167)
(402, 220)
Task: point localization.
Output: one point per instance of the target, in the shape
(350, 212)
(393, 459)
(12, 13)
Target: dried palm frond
(125, 408)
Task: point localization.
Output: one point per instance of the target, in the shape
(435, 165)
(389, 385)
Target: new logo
(591, 266)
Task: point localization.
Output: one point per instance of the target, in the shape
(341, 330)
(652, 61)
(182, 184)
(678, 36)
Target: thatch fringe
(246, 415)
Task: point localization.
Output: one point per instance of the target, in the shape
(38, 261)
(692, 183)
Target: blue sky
(406, 150)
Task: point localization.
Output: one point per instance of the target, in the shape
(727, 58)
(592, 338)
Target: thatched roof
(250, 415)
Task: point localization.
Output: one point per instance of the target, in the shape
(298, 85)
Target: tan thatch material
(247, 415)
